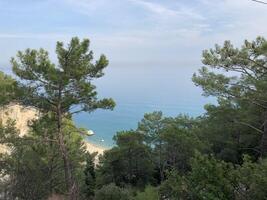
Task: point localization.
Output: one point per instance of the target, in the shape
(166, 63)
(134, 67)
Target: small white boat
(90, 133)
(102, 140)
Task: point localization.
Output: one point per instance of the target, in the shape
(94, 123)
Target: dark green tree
(251, 179)
(9, 89)
(175, 187)
(62, 89)
(209, 179)
(23, 166)
(112, 192)
(151, 126)
(90, 176)
(227, 139)
(33, 162)
(179, 143)
(150, 193)
(128, 163)
(172, 140)
(246, 84)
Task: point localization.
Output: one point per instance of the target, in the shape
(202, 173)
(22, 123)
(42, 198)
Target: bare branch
(259, 1)
(250, 126)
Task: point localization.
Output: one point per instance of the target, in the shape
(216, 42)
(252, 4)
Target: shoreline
(91, 147)
(97, 143)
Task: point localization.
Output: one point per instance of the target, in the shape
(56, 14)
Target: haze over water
(138, 90)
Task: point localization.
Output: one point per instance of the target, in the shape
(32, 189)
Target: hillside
(23, 117)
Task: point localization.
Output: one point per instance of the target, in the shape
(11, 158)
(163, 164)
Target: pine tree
(62, 89)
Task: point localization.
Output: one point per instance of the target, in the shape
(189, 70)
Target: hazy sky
(130, 32)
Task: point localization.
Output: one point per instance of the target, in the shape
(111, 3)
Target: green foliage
(127, 163)
(228, 138)
(34, 163)
(172, 140)
(150, 193)
(161, 152)
(111, 192)
(245, 87)
(62, 90)
(251, 180)
(179, 143)
(25, 165)
(147, 154)
(151, 127)
(90, 176)
(175, 187)
(9, 89)
(46, 85)
(210, 179)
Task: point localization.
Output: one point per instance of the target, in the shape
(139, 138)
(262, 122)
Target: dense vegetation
(219, 155)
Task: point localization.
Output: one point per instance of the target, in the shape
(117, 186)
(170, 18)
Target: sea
(139, 90)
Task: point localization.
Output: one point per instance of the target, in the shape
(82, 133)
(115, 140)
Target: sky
(132, 33)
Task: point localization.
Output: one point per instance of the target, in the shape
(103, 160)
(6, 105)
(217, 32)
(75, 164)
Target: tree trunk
(264, 140)
(70, 183)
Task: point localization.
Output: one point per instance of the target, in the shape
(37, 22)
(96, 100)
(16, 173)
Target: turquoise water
(139, 90)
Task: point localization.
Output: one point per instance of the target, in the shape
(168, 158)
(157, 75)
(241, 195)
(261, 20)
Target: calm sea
(139, 90)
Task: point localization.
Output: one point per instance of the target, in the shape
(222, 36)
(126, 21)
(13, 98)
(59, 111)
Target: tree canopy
(218, 155)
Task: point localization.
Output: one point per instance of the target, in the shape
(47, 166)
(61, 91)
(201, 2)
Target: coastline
(22, 115)
(92, 147)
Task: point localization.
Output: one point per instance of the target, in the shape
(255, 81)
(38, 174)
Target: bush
(112, 192)
(209, 179)
(150, 193)
(251, 180)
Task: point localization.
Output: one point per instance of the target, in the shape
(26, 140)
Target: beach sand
(91, 148)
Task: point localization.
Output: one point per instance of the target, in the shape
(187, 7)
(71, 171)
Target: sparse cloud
(155, 8)
(133, 29)
(86, 7)
(164, 11)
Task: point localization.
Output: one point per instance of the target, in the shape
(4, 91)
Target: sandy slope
(91, 148)
(20, 114)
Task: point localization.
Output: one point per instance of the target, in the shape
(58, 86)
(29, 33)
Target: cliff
(23, 116)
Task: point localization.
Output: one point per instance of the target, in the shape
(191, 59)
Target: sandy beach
(91, 148)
